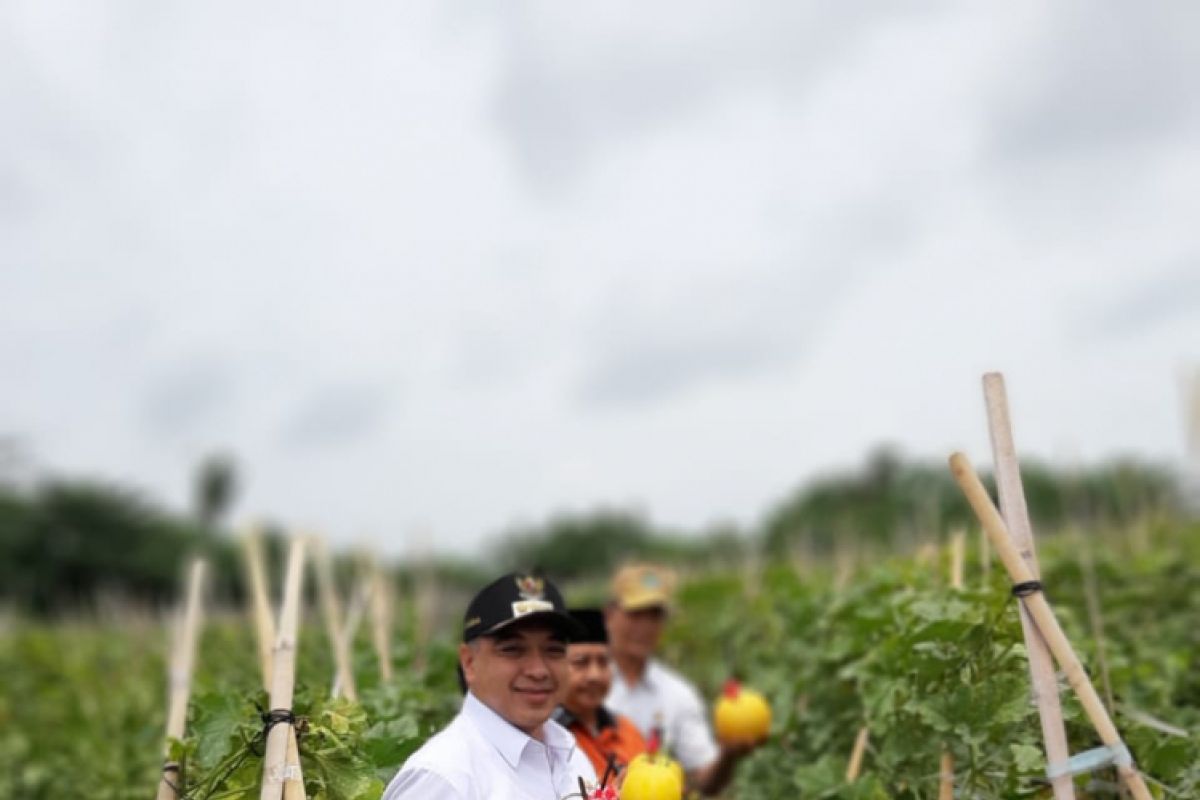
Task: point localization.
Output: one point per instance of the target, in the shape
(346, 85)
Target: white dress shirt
(480, 755)
(664, 699)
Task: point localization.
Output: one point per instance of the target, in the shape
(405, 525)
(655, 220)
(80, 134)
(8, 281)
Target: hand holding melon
(742, 716)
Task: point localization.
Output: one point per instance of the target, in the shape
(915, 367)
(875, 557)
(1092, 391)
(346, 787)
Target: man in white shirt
(503, 744)
(658, 699)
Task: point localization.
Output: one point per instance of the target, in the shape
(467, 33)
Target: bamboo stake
(276, 770)
(293, 784)
(264, 625)
(179, 677)
(1016, 515)
(382, 622)
(958, 551)
(356, 609)
(946, 777)
(856, 755)
(424, 598)
(426, 603)
(1043, 617)
(343, 680)
(985, 557)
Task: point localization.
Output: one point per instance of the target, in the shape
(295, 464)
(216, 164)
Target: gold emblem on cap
(531, 587)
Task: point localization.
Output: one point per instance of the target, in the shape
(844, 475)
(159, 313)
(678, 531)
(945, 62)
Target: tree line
(65, 543)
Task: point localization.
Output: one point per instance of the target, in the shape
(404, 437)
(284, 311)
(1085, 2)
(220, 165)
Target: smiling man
(503, 744)
(605, 737)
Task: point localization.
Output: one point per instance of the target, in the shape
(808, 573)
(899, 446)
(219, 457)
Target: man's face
(635, 633)
(520, 673)
(590, 676)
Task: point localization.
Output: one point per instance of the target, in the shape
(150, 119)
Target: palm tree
(215, 489)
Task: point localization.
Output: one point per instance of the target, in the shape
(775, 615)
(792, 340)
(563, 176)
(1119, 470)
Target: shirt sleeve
(694, 745)
(421, 784)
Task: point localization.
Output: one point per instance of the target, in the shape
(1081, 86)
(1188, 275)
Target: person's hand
(739, 750)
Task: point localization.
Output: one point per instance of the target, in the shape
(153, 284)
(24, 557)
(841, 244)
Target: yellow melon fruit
(742, 715)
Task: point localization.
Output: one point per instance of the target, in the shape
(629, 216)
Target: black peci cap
(514, 597)
(591, 621)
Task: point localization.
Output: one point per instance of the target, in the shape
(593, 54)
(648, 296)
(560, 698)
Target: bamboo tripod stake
(343, 681)
(381, 618)
(264, 625)
(426, 603)
(355, 609)
(1043, 617)
(958, 552)
(856, 755)
(260, 605)
(946, 777)
(958, 545)
(1016, 516)
(179, 678)
(985, 558)
(281, 773)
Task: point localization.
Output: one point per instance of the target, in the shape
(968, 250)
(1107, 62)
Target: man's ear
(466, 659)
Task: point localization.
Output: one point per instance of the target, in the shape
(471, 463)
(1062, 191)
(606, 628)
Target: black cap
(513, 597)
(591, 620)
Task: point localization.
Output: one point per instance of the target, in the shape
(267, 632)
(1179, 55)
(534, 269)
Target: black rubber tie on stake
(176, 768)
(1026, 588)
(276, 716)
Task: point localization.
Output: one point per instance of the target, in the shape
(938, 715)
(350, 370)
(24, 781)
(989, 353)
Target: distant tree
(889, 499)
(215, 488)
(66, 543)
(595, 543)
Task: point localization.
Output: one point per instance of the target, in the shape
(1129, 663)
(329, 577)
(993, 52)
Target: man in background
(609, 740)
(655, 697)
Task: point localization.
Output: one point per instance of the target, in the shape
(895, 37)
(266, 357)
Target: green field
(881, 643)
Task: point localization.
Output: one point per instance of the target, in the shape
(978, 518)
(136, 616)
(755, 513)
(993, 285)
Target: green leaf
(1027, 758)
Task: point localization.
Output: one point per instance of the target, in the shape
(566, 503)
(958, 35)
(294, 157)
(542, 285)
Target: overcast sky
(442, 267)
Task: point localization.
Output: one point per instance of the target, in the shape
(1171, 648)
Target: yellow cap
(643, 586)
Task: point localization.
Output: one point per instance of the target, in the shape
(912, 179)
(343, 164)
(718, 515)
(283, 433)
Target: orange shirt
(616, 736)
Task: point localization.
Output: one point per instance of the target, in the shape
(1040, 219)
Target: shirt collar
(604, 718)
(509, 740)
(649, 675)
(653, 670)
